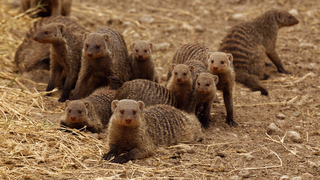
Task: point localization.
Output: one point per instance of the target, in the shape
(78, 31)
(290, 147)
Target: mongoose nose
(73, 118)
(128, 121)
(89, 54)
(140, 56)
(200, 91)
(35, 38)
(215, 68)
(179, 80)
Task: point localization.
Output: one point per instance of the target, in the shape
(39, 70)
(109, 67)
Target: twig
(282, 143)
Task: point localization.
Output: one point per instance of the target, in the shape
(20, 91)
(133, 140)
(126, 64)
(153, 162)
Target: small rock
(256, 93)
(307, 45)
(281, 123)
(187, 27)
(294, 12)
(312, 164)
(161, 46)
(284, 177)
(146, 19)
(295, 114)
(294, 136)
(127, 24)
(199, 28)
(297, 127)
(296, 178)
(281, 116)
(249, 157)
(307, 176)
(221, 154)
(238, 17)
(273, 129)
(235, 177)
(136, 36)
(244, 173)
(132, 10)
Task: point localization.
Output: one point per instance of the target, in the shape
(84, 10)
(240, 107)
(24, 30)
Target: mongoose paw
(268, 64)
(120, 159)
(232, 123)
(284, 71)
(264, 92)
(62, 99)
(108, 156)
(49, 94)
(266, 76)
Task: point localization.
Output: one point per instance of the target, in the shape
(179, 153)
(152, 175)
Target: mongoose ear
(215, 79)
(173, 65)
(85, 35)
(280, 17)
(191, 69)
(62, 28)
(151, 47)
(114, 105)
(197, 75)
(132, 46)
(230, 57)
(66, 104)
(209, 55)
(141, 105)
(87, 104)
(106, 37)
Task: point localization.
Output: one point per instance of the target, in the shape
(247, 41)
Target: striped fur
(149, 92)
(148, 129)
(99, 113)
(190, 52)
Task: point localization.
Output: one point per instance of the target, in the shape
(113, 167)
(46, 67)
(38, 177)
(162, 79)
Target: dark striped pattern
(190, 52)
(149, 92)
(240, 44)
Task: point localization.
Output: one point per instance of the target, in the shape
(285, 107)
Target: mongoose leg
(204, 117)
(228, 102)
(252, 81)
(56, 7)
(273, 56)
(68, 85)
(55, 76)
(112, 152)
(133, 154)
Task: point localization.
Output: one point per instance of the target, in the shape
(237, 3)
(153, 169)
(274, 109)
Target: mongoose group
(107, 88)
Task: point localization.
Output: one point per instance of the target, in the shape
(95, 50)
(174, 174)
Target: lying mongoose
(51, 7)
(138, 132)
(180, 84)
(65, 56)
(203, 96)
(104, 54)
(189, 52)
(220, 64)
(151, 93)
(244, 42)
(93, 111)
(32, 56)
(141, 61)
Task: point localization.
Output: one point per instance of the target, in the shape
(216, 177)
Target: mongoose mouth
(128, 121)
(72, 119)
(202, 91)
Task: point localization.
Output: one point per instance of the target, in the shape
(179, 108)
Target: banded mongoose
(93, 111)
(189, 52)
(52, 7)
(31, 55)
(181, 85)
(244, 42)
(138, 132)
(198, 66)
(142, 63)
(151, 93)
(104, 54)
(220, 64)
(65, 56)
(204, 95)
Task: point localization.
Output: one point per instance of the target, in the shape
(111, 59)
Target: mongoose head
(76, 111)
(127, 112)
(219, 62)
(182, 73)
(51, 33)
(95, 45)
(141, 50)
(284, 18)
(206, 83)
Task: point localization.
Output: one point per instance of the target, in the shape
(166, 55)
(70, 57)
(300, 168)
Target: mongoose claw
(232, 123)
(283, 71)
(108, 156)
(120, 159)
(62, 99)
(264, 92)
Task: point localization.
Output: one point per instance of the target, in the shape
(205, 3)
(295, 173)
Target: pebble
(146, 19)
(307, 45)
(249, 157)
(136, 36)
(187, 27)
(297, 127)
(281, 116)
(307, 176)
(294, 136)
(312, 164)
(244, 173)
(281, 123)
(284, 177)
(296, 178)
(199, 28)
(296, 114)
(235, 177)
(221, 154)
(238, 17)
(273, 129)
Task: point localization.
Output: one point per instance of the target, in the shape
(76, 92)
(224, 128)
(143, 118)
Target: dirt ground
(245, 152)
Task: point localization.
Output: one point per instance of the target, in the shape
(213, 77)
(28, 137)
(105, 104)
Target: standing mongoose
(65, 56)
(151, 93)
(181, 84)
(51, 7)
(244, 42)
(32, 56)
(138, 132)
(190, 52)
(204, 94)
(141, 61)
(220, 64)
(93, 111)
(104, 54)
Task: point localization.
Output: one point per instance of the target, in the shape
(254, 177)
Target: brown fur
(93, 111)
(198, 66)
(180, 84)
(203, 95)
(141, 61)
(31, 56)
(65, 56)
(52, 7)
(104, 54)
(138, 132)
(220, 64)
(149, 92)
(244, 42)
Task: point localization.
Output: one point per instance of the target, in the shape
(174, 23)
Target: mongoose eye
(137, 50)
(87, 45)
(134, 112)
(46, 32)
(122, 111)
(69, 111)
(198, 84)
(79, 111)
(222, 62)
(175, 73)
(212, 61)
(145, 50)
(98, 46)
(207, 84)
(184, 74)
